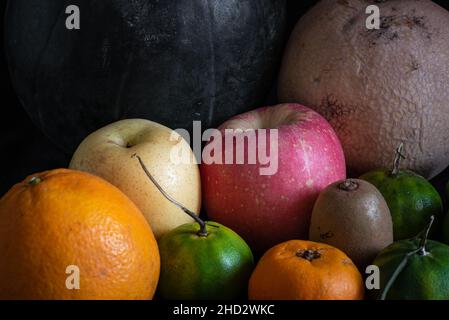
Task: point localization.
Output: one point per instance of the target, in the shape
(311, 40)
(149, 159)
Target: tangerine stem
(397, 159)
(421, 251)
(422, 245)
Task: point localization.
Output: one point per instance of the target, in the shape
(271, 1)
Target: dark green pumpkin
(171, 61)
(422, 274)
(412, 200)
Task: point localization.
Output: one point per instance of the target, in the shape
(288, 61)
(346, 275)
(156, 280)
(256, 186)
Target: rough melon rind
(376, 87)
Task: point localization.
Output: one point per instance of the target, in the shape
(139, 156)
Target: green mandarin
(411, 198)
(195, 267)
(424, 276)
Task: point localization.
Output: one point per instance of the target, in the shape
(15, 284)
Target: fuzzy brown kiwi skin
(353, 216)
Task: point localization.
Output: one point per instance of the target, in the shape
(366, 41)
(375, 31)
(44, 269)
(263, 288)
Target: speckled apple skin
(268, 209)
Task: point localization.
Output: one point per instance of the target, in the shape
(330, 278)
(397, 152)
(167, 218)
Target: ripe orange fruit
(305, 270)
(63, 218)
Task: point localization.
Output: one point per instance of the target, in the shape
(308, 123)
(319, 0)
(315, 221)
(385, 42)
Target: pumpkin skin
(171, 62)
(425, 277)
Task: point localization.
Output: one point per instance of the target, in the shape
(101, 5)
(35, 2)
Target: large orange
(305, 270)
(67, 218)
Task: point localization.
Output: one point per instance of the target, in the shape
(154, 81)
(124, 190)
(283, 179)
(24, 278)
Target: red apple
(266, 209)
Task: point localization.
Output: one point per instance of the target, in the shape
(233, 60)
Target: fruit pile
(325, 201)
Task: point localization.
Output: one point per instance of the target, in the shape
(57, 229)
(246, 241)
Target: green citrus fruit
(412, 200)
(196, 267)
(423, 274)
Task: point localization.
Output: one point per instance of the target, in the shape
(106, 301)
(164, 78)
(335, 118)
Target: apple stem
(397, 159)
(203, 229)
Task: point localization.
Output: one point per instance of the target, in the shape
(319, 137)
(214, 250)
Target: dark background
(24, 150)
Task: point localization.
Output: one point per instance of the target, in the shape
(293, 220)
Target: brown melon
(376, 87)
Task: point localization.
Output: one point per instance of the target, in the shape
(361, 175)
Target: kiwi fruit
(353, 216)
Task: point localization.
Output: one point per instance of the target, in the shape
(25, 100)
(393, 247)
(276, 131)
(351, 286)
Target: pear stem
(203, 229)
(397, 159)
